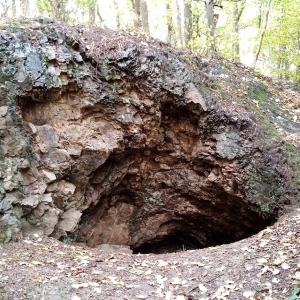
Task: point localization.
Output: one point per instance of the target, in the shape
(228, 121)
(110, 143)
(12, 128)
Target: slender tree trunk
(187, 22)
(92, 11)
(180, 39)
(144, 15)
(14, 9)
(25, 8)
(4, 10)
(237, 13)
(59, 10)
(137, 10)
(260, 13)
(235, 29)
(169, 23)
(262, 33)
(117, 15)
(211, 25)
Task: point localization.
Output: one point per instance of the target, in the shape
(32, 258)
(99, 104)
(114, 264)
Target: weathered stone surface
(130, 147)
(69, 220)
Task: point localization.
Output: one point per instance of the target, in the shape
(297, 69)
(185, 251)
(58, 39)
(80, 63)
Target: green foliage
(44, 7)
(282, 41)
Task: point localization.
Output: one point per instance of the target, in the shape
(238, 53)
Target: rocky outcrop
(115, 139)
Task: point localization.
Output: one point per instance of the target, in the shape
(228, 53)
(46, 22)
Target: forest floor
(263, 267)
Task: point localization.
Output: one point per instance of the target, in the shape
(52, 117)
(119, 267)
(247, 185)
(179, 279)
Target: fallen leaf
(162, 263)
(37, 263)
(97, 290)
(169, 295)
(262, 261)
(199, 264)
(114, 280)
(54, 278)
(221, 269)
(277, 261)
(176, 280)
(202, 288)
(144, 264)
(263, 244)
(276, 271)
(79, 285)
(159, 292)
(93, 284)
(248, 294)
(275, 280)
(285, 266)
(38, 278)
(160, 279)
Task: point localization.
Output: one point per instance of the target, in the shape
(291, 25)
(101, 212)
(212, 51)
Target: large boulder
(114, 138)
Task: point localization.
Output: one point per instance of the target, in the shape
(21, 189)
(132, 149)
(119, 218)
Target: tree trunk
(137, 10)
(144, 15)
(180, 39)
(235, 29)
(237, 12)
(169, 23)
(118, 23)
(187, 23)
(262, 33)
(25, 7)
(5, 8)
(59, 10)
(14, 9)
(211, 25)
(92, 11)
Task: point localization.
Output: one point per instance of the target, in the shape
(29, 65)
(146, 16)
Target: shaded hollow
(200, 232)
(173, 242)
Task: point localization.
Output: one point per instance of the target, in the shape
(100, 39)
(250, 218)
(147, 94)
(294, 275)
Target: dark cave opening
(183, 241)
(186, 237)
(175, 242)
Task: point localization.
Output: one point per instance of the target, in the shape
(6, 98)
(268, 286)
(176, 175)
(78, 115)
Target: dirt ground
(265, 266)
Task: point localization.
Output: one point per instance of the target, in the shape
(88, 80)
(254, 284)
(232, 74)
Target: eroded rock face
(127, 146)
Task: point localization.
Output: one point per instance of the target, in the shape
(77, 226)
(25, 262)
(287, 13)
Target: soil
(264, 266)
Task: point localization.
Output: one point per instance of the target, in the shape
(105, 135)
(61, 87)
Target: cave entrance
(200, 235)
(174, 242)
